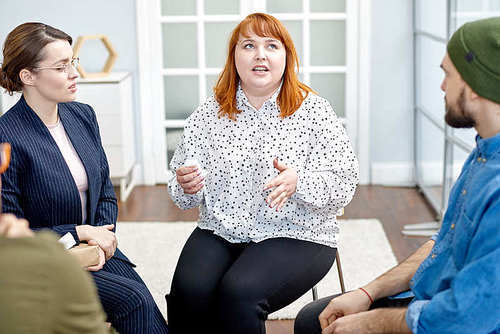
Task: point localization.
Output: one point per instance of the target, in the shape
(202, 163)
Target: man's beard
(458, 117)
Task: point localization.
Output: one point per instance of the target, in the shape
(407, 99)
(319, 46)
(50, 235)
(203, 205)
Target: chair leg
(315, 293)
(339, 269)
(314, 289)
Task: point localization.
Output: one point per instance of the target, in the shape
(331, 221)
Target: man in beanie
(452, 283)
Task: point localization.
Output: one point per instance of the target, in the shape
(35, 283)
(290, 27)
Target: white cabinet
(111, 98)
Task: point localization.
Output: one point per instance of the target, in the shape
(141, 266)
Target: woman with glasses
(59, 176)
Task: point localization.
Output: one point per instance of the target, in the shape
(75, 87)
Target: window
(192, 38)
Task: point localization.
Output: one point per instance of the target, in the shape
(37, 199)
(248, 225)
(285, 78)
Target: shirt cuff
(403, 295)
(413, 314)
(435, 236)
(182, 200)
(63, 229)
(300, 189)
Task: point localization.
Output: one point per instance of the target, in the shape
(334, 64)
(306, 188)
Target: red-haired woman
(274, 165)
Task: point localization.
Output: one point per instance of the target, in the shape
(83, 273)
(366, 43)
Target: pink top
(73, 161)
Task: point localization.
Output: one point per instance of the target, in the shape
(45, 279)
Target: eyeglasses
(62, 68)
(4, 156)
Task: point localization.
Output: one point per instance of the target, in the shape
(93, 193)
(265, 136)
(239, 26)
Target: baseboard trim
(392, 174)
(402, 174)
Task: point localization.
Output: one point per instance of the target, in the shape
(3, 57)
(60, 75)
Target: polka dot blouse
(238, 158)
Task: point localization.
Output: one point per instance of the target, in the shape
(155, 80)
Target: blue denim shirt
(457, 288)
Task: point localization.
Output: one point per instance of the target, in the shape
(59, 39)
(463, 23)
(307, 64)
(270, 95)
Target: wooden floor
(393, 206)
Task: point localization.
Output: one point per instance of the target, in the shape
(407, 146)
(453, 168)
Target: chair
(341, 278)
(339, 268)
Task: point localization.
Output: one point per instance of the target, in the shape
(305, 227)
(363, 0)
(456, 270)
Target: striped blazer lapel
(78, 134)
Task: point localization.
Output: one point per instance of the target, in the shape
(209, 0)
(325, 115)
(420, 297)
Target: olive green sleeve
(44, 290)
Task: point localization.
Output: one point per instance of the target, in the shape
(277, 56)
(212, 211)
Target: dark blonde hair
(21, 50)
(292, 93)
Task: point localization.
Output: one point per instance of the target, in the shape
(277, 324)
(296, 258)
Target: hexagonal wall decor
(109, 62)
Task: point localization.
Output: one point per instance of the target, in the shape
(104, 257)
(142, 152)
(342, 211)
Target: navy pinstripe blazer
(38, 184)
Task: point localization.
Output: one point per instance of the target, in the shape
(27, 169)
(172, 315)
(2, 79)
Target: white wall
(391, 123)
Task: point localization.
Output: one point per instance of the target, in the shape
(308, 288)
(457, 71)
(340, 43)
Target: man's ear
(27, 77)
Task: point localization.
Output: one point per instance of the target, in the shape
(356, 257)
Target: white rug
(364, 249)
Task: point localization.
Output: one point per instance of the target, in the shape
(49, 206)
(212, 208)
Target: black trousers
(307, 321)
(222, 287)
(127, 301)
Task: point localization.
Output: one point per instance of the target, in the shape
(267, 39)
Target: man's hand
(102, 235)
(357, 323)
(190, 179)
(284, 185)
(382, 320)
(13, 227)
(349, 303)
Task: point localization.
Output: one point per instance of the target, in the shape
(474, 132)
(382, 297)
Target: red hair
(292, 93)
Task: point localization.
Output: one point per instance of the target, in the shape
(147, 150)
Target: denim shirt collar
(487, 147)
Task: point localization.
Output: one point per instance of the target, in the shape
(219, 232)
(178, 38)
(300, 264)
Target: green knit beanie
(474, 49)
